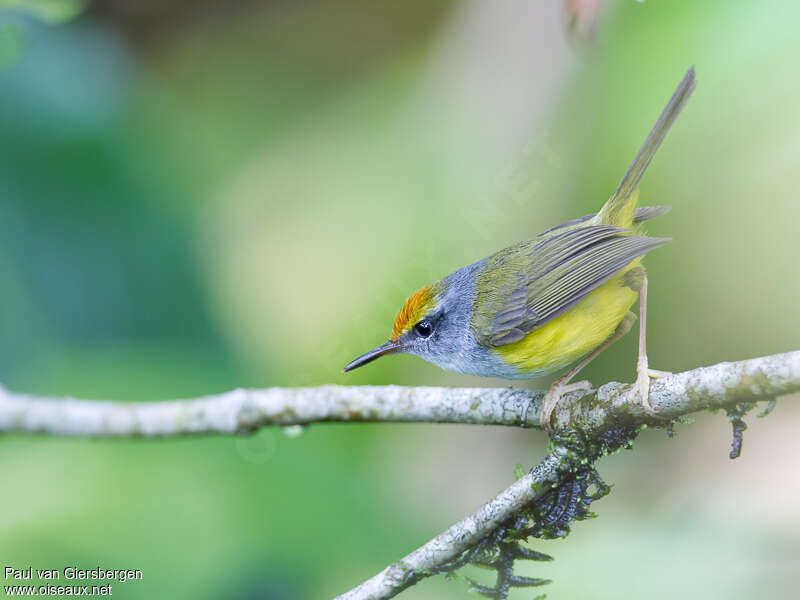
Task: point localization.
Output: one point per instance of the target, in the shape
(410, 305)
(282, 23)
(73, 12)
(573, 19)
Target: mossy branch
(733, 387)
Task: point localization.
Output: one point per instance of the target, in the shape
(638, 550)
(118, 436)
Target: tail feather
(645, 213)
(620, 202)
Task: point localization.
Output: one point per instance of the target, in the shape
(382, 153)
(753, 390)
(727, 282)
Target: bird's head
(419, 328)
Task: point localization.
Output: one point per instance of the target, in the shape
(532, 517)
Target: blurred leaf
(12, 44)
(51, 11)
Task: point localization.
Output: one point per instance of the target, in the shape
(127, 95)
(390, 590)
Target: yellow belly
(575, 333)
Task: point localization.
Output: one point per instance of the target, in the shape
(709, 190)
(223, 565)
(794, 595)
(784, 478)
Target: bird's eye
(424, 328)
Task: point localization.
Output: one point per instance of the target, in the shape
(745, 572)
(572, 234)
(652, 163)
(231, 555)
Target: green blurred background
(203, 195)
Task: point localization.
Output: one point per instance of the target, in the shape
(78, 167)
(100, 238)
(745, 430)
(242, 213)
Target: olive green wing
(525, 286)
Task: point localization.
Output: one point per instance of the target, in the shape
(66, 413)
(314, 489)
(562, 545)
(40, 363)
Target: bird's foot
(643, 376)
(656, 374)
(553, 395)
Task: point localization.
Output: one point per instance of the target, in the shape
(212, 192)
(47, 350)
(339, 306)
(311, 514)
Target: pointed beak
(389, 347)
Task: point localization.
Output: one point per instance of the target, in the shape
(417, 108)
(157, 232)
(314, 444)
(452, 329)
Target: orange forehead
(414, 308)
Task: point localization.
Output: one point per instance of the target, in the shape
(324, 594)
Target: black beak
(389, 347)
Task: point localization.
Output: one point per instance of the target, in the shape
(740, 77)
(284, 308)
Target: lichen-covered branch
(448, 545)
(719, 386)
(245, 410)
(733, 387)
(541, 504)
(242, 411)
(726, 385)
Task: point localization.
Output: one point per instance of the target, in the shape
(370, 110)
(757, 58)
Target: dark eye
(424, 328)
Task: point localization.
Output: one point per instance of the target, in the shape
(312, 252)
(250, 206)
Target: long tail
(619, 204)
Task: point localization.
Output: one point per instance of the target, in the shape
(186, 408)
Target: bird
(540, 305)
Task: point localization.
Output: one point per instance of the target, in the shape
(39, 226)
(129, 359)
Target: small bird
(540, 305)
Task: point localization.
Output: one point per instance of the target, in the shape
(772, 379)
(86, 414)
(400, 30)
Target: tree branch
(720, 386)
(447, 546)
(244, 411)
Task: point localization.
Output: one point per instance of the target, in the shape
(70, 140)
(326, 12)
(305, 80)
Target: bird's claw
(553, 395)
(643, 376)
(656, 374)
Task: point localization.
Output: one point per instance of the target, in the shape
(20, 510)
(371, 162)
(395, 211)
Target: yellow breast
(576, 332)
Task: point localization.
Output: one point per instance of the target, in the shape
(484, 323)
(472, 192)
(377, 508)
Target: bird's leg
(562, 386)
(643, 372)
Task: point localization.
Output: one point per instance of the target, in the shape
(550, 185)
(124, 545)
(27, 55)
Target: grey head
(434, 324)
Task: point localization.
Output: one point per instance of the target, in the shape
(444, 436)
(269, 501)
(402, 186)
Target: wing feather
(525, 286)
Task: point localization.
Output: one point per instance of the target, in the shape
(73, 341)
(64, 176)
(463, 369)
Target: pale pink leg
(643, 372)
(562, 386)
